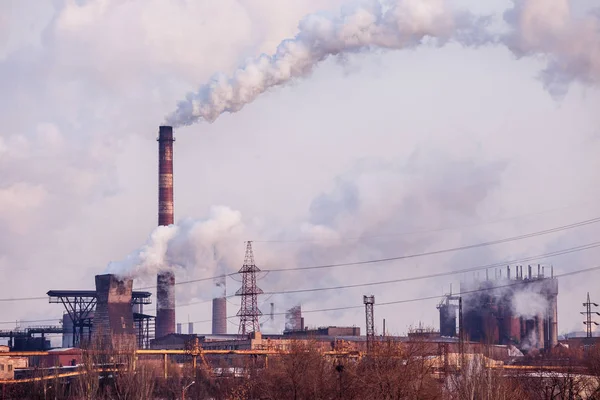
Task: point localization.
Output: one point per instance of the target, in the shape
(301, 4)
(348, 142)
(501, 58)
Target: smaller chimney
(191, 328)
(179, 328)
(113, 318)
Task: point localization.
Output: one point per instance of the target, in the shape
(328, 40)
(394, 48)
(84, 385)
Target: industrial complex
(493, 313)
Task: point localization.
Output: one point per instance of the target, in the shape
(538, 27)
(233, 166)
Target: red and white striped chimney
(165, 282)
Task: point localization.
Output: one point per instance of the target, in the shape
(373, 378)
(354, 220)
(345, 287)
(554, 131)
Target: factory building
(518, 310)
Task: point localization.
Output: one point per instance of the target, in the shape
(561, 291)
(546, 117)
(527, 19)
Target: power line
(450, 250)
(28, 321)
(439, 274)
(430, 230)
(24, 298)
(428, 276)
(516, 283)
(409, 256)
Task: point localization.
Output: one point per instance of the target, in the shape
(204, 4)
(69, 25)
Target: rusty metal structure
(249, 311)
(491, 312)
(219, 308)
(369, 302)
(80, 306)
(30, 338)
(165, 281)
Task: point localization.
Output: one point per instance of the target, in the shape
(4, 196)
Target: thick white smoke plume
(548, 28)
(569, 43)
(529, 304)
(404, 24)
(192, 246)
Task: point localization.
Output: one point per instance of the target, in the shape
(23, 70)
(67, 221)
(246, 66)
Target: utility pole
(588, 314)
(369, 302)
(249, 311)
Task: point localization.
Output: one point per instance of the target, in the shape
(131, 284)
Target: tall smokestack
(219, 310)
(165, 282)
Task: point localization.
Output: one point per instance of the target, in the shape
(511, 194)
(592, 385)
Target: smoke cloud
(570, 44)
(191, 247)
(404, 25)
(529, 304)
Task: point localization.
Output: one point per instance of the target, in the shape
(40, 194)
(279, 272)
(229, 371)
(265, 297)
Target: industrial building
(518, 310)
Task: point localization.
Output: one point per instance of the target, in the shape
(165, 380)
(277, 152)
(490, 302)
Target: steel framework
(80, 305)
(249, 311)
(13, 334)
(588, 315)
(369, 302)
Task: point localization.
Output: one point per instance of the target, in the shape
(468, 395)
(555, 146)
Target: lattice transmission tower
(369, 302)
(249, 311)
(588, 314)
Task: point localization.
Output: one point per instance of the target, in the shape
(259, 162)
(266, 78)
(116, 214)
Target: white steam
(196, 247)
(404, 24)
(546, 28)
(529, 304)
(570, 44)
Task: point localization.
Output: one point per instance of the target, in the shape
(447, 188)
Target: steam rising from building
(293, 319)
(519, 311)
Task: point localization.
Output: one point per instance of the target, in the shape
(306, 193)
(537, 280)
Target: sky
(375, 153)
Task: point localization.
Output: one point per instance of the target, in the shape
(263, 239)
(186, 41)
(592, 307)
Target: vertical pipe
(384, 327)
(165, 281)
(540, 331)
(508, 272)
(166, 375)
(553, 322)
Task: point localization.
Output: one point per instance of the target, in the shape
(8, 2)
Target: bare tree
(478, 380)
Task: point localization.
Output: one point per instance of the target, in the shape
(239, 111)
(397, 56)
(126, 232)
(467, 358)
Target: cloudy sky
(376, 153)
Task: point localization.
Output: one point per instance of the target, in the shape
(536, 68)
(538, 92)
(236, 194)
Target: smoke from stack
(569, 44)
(404, 25)
(165, 280)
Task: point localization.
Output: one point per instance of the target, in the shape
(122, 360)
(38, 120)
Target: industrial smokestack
(219, 311)
(165, 282)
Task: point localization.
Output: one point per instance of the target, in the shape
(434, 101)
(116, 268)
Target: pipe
(553, 322)
(165, 281)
